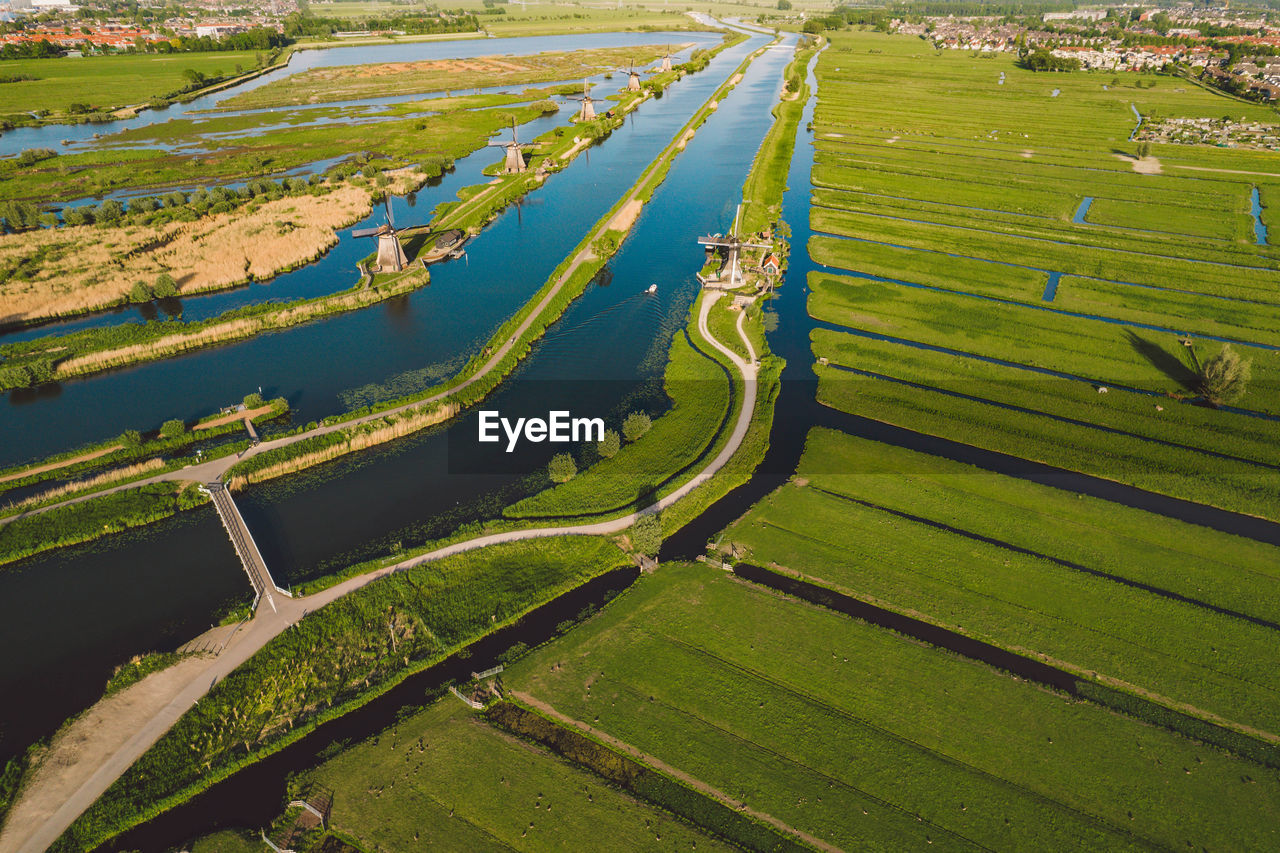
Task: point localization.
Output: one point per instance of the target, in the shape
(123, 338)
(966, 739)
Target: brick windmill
(732, 247)
(514, 162)
(588, 111)
(391, 256)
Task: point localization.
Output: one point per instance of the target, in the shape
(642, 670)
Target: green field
(924, 547)
(869, 741)
(443, 777)
(105, 82)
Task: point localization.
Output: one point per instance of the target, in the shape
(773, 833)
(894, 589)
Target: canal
(90, 608)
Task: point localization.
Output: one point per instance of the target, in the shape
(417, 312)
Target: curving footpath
(266, 625)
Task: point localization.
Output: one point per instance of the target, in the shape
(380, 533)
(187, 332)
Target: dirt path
(52, 466)
(626, 217)
(1225, 171)
(248, 414)
(660, 765)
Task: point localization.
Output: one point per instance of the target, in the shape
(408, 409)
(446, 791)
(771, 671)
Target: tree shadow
(1164, 361)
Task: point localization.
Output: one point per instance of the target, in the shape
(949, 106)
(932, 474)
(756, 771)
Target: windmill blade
(365, 232)
(386, 202)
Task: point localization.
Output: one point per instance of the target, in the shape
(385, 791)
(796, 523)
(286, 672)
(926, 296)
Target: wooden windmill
(588, 111)
(633, 79)
(391, 256)
(732, 247)
(514, 162)
(666, 61)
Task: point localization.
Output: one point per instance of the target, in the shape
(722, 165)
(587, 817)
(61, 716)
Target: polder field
(993, 268)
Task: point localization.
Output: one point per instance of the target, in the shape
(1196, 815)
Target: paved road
(268, 624)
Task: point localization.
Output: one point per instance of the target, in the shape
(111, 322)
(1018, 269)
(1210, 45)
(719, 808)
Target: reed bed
(59, 271)
(105, 478)
(344, 442)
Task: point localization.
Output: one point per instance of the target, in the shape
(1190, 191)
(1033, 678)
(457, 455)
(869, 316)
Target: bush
(140, 292)
(76, 216)
(172, 429)
(646, 535)
(131, 438)
(545, 106)
(636, 425)
(34, 155)
(562, 468)
(253, 401)
(610, 444)
(165, 286)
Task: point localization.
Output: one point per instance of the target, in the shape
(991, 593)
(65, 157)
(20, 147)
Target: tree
(784, 5)
(131, 438)
(140, 292)
(636, 425)
(1144, 149)
(253, 401)
(1223, 377)
(646, 535)
(172, 429)
(165, 287)
(610, 444)
(562, 468)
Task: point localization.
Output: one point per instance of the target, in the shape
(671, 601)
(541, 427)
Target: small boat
(653, 288)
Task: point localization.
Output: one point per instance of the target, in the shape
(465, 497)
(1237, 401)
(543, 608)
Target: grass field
(1009, 264)
(869, 741)
(103, 82)
(443, 777)
(978, 553)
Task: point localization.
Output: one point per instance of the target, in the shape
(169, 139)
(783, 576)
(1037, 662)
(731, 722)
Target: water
(317, 365)
(596, 359)
(1051, 286)
(1255, 210)
(1083, 210)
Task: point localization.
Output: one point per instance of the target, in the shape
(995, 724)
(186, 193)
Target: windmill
(588, 111)
(732, 246)
(666, 61)
(391, 256)
(633, 80)
(514, 164)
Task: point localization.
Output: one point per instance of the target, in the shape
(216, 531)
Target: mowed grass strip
(1213, 665)
(443, 777)
(1109, 353)
(871, 741)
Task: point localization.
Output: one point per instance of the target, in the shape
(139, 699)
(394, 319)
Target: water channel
(90, 608)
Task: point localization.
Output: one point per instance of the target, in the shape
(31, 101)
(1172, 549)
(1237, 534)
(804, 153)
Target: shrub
(636, 425)
(76, 216)
(610, 444)
(545, 106)
(165, 286)
(140, 292)
(131, 438)
(646, 535)
(562, 468)
(253, 401)
(34, 155)
(172, 429)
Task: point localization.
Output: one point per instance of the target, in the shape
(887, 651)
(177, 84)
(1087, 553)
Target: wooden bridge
(246, 548)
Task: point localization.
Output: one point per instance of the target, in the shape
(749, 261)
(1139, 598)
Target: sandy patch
(893, 139)
(712, 106)
(1028, 153)
(80, 748)
(626, 217)
(233, 416)
(685, 140)
(1143, 166)
(735, 80)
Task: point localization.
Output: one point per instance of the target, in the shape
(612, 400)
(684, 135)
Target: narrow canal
(90, 608)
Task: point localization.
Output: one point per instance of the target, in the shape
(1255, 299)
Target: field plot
(869, 741)
(1089, 587)
(445, 778)
(1021, 283)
